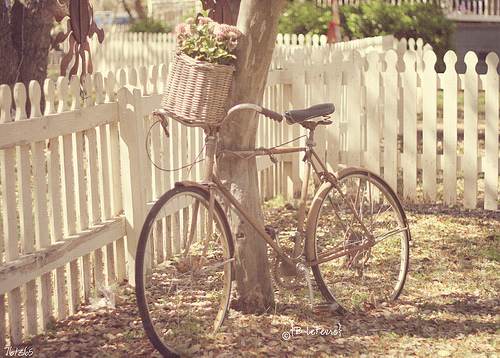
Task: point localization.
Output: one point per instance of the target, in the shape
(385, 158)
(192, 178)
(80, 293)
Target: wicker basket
(197, 91)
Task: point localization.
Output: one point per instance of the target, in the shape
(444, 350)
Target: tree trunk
(25, 40)
(139, 9)
(8, 55)
(223, 11)
(127, 10)
(258, 21)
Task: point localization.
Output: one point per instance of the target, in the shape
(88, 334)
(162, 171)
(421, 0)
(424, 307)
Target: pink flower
(233, 34)
(223, 31)
(204, 20)
(182, 29)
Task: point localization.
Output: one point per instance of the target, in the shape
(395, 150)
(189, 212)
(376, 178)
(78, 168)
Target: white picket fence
(76, 184)
(461, 10)
(125, 49)
(75, 180)
(433, 136)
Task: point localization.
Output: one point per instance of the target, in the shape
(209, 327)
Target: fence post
(10, 229)
(390, 84)
(449, 85)
(334, 88)
(298, 101)
(490, 166)
(354, 109)
(410, 127)
(469, 159)
(132, 170)
(429, 132)
(317, 79)
(372, 85)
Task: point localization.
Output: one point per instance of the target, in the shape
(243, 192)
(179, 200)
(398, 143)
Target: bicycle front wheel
(358, 241)
(183, 273)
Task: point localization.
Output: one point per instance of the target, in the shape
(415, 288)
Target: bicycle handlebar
(275, 116)
(162, 114)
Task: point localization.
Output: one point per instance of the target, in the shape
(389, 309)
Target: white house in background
(172, 11)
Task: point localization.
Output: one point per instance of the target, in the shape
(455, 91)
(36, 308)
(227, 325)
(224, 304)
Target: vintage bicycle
(354, 237)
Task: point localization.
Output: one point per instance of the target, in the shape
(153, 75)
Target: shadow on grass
(463, 304)
(425, 319)
(455, 212)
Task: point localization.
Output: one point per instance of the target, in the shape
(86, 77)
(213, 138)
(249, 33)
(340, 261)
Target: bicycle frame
(212, 181)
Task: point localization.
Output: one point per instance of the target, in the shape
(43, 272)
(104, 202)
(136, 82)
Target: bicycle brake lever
(165, 128)
(163, 121)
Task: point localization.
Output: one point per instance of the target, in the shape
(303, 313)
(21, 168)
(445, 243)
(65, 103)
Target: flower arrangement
(206, 40)
(201, 74)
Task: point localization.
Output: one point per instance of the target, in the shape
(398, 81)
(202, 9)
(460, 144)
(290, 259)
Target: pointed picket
(450, 87)
(372, 85)
(26, 222)
(40, 206)
(409, 162)
(491, 130)
(469, 162)
(429, 135)
(354, 109)
(9, 211)
(390, 78)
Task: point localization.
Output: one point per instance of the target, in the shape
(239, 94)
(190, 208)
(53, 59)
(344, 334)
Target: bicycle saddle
(301, 115)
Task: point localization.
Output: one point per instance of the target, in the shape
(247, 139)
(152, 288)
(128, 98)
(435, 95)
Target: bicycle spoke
(378, 214)
(361, 255)
(390, 233)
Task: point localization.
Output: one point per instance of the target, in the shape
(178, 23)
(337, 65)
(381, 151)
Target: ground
(449, 307)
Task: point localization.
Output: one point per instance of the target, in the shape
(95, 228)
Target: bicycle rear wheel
(183, 296)
(370, 273)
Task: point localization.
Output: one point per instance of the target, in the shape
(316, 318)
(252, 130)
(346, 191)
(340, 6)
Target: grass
(449, 307)
(275, 202)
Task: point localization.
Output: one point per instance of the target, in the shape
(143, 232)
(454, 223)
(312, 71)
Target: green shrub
(431, 25)
(373, 18)
(150, 25)
(304, 18)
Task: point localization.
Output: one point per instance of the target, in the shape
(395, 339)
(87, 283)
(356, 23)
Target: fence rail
(75, 181)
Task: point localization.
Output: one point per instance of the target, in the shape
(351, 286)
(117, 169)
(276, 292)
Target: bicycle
(355, 232)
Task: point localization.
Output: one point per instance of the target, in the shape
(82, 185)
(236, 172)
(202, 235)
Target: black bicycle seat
(301, 115)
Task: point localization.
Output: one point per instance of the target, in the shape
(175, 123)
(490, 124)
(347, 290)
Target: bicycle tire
(165, 348)
(312, 253)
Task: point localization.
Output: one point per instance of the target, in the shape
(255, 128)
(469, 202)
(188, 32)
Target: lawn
(450, 307)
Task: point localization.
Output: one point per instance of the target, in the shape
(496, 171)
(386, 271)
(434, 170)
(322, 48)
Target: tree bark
(258, 21)
(8, 55)
(127, 10)
(223, 11)
(139, 9)
(25, 40)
